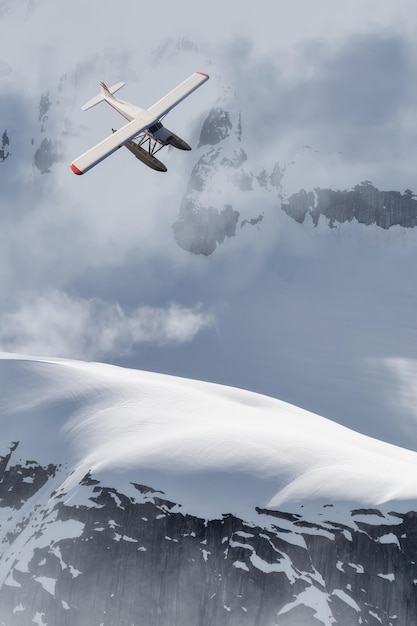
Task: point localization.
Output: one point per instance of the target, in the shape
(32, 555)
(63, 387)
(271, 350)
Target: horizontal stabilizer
(109, 145)
(101, 96)
(177, 95)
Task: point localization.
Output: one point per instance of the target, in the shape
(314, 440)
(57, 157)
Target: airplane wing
(177, 95)
(109, 145)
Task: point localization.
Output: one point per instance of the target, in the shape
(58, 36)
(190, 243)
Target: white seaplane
(144, 135)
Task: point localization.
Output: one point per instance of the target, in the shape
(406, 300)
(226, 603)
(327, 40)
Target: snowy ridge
(210, 448)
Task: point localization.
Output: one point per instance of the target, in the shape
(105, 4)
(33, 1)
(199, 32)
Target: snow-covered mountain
(203, 224)
(222, 270)
(277, 256)
(129, 497)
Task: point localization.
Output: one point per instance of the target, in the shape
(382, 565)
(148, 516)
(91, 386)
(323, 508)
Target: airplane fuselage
(156, 130)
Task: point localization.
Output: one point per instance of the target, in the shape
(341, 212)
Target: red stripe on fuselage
(129, 119)
(157, 139)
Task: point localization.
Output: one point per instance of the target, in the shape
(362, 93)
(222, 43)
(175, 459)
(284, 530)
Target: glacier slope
(210, 448)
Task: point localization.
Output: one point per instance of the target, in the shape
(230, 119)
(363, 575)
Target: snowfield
(211, 449)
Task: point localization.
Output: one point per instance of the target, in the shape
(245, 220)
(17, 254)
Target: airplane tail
(104, 92)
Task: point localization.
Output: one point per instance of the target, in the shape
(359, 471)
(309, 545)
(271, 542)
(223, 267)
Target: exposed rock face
(114, 559)
(216, 127)
(203, 222)
(46, 155)
(200, 231)
(364, 202)
(44, 106)
(223, 171)
(4, 153)
(48, 151)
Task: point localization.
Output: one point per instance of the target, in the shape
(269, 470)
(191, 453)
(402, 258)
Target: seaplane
(144, 134)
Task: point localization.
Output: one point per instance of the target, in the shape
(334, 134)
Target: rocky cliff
(364, 203)
(224, 170)
(114, 559)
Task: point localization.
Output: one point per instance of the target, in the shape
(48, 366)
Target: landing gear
(146, 145)
(144, 148)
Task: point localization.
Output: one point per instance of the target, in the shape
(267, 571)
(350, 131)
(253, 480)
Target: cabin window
(155, 127)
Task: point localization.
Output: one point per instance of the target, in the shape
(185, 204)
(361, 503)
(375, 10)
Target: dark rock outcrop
(216, 127)
(364, 203)
(114, 559)
(5, 142)
(200, 230)
(202, 224)
(46, 155)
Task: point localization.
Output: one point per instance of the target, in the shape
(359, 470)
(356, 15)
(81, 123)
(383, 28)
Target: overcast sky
(88, 265)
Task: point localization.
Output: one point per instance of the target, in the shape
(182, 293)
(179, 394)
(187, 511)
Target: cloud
(55, 324)
(352, 100)
(361, 81)
(404, 372)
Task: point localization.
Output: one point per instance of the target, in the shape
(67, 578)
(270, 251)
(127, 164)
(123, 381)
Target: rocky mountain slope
(364, 203)
(204, 224)
(118, 560)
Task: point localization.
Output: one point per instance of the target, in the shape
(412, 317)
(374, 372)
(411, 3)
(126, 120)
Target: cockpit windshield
(155, 127)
